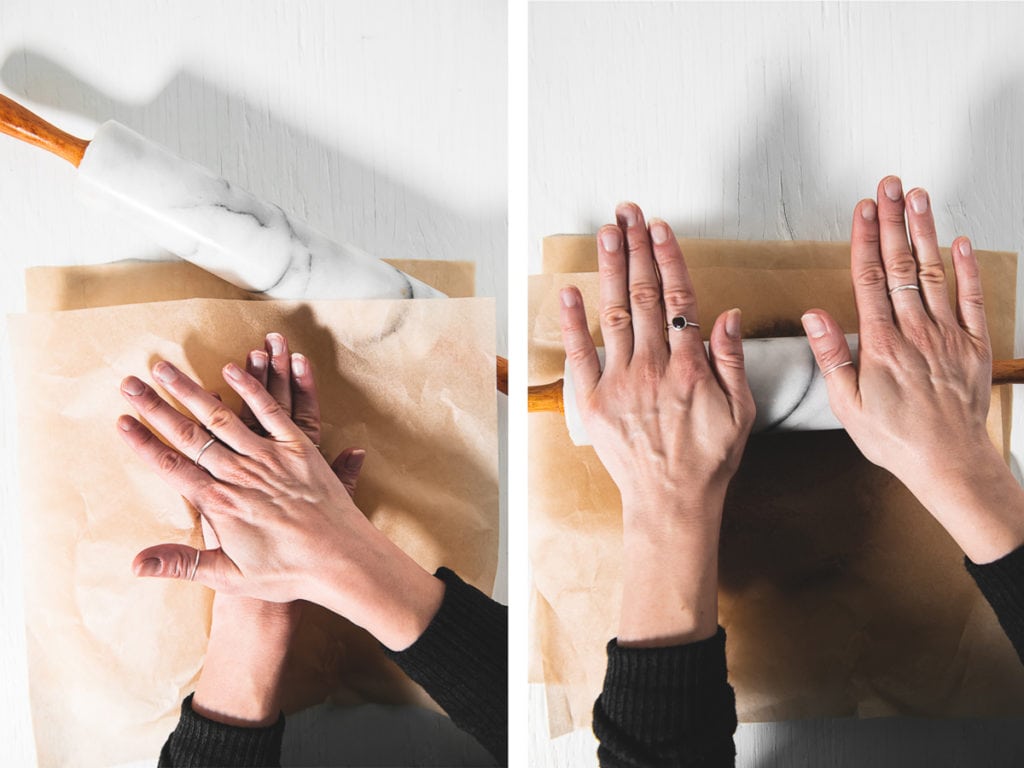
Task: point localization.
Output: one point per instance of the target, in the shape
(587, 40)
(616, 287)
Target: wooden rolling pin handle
(19, 122)
(548, 397)
(502, 365)
(1008, 372)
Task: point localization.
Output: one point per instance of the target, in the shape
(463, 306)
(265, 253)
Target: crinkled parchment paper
(840, 594)
(111, 656)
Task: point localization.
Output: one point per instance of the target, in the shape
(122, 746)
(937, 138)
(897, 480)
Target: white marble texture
(220, 227)
(788, 388)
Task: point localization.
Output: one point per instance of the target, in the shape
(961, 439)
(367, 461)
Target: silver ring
(680, 323)
(195, 566)
(907, 287)
(835, 367)
(202, 450)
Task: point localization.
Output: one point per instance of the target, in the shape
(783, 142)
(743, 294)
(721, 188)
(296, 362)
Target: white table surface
(381, 123)
(770, 121)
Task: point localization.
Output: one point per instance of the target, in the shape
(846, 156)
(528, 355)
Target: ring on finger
(905, 287)
(202, 450)
(195, 566)
(835, 367)
(680, 323)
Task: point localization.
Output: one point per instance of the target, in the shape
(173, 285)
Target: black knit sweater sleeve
(668, 706)
(461, 660)
(198, 742)
(1002, 584)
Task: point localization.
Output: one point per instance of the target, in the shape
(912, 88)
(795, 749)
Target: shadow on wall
(274, 159)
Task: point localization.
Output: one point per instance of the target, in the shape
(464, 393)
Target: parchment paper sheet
(111, 656)
(840, 594)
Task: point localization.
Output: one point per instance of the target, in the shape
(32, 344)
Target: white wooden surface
(381, 123)
(769, 121)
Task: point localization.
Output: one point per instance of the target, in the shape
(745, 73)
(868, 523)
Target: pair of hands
(279, 522)
(670, 421)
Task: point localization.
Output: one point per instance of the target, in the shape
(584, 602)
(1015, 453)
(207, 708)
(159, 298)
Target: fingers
(579, 345)
(677, 290)
(184, 434)
(305, 401)
(256, 366)
(900, 265)
(178, 470)
(264, 406)
(834, 359)
(931, 273)
(347, 467)
(726, 356)
(970, 305)
(867, 271)
(616, 321)
(279, 377)
(209, 567)
(645, 303)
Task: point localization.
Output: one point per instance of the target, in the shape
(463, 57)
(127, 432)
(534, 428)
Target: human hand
(668, 421)
(287, 526)
(917, 400)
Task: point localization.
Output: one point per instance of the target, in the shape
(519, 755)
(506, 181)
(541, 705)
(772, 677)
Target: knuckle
(870, 276)
(644, 296)
(901, 266)
(170, 461)
(616, 317)
(679, 298)
(932, 272)
(270, 407)
(187, 432)
(220, 417)
(576, 354)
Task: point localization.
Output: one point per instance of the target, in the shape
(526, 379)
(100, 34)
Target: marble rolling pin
(208, 221)
(215, 225)
(787, 385)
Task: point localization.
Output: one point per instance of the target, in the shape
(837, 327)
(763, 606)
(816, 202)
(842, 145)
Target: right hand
(917, 400)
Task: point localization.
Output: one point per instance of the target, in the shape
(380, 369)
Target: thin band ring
(835, 367)
(202, 450)
(907, 287)
(680, 323)
(195, 566)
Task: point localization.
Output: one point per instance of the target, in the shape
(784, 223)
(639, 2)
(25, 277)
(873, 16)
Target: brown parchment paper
(840, 594)
(111, 656)
(131, 282)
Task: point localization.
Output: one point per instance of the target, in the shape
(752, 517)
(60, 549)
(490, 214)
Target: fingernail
(258, 360)
(813, 325)
(355, 460)
(568, 297)
(732, 323)
(919, 201)
(132, 386)
(627, 213)
(868, 210)
(148, 567)
(165, 372)
(660, 232)
(233, 372)
(125, 424)
(893, 188)
(611, 239)
(298, 365)
(965, 247)
(276, 343)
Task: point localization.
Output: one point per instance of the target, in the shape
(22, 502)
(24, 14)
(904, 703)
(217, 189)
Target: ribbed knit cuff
(198, 742)
(666, 706)
(461, 660)
(1002, 584)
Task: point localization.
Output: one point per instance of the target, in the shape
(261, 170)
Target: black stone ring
(680, 323)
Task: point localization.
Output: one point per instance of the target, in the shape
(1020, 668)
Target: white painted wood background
(769, 121)
(383, 123)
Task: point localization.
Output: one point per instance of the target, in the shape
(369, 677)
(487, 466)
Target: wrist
(977, 500)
